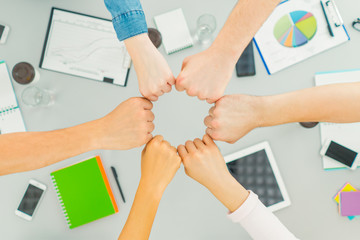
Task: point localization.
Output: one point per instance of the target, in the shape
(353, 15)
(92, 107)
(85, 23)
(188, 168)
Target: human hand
(206, 74)
(233, 116)
(204, 163)
(159, 164)
(154, 74)
(128, 126)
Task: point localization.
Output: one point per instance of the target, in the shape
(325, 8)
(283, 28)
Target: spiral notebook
(11, 119)
(174, 31)
(84, 192)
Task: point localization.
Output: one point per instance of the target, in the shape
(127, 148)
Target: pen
(117, 183)
(327, 20)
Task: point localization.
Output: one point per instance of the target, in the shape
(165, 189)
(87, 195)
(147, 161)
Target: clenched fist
(159, 164)
(205, 75)
(233, 116)
(128, 126)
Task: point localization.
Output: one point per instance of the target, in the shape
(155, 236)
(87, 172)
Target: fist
(153, 72)
(128, 126)
(203, 162)
(233, 116)
(205, 75)
(159, 163)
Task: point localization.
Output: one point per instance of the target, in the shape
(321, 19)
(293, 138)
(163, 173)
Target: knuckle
(191, 92)
(215, 135)
(215, 123)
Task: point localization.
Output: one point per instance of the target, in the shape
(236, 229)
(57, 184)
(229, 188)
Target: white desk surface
(187, 210)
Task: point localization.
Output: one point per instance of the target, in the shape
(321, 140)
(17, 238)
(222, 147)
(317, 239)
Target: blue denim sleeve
(128, 18)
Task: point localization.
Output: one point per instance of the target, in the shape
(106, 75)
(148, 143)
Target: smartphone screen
(2, 28)
(30, 200)
(341, 153)
(246, 64)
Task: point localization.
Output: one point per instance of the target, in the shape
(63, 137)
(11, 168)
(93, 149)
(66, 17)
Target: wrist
(228, 55)
(137, 43)
(223, 48)
(230, 193)
(150, 188)
(87, 135)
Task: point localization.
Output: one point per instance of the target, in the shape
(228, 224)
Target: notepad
(346, 188)
(350, 203)
(174, 30)
(346, 133)
(84, 192)
(11, 119)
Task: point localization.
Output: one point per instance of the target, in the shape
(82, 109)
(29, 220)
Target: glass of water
(206, 25)
(36, 97)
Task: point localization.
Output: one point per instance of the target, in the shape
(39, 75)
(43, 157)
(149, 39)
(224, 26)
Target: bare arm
(159, 165)
(207, 73)
(233, 116)
(338, 103)
(129, 125)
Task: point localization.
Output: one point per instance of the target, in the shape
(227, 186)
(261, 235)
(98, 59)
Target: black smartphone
(246, 63)
(340, 153)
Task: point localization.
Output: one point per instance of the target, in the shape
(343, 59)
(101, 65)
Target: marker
(117, 183)
(327, 20)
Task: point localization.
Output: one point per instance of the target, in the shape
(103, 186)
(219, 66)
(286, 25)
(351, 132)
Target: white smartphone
(30, 200)
(340, 153)
(4, 33)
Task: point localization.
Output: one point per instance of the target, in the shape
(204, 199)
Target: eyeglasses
(356, 24)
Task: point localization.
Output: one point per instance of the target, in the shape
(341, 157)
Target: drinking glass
(206, 25)
(36, 97)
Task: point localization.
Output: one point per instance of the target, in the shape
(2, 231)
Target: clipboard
(273, 51)
(85, 46)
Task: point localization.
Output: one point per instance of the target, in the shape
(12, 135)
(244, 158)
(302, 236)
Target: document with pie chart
(295, 31)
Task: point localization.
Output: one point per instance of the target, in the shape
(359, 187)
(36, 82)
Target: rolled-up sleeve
(260, 222)
(128, 18)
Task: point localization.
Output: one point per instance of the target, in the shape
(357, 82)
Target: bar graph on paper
(85, 46)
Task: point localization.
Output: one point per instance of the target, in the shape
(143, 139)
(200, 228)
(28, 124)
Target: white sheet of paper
(86, 47)
(347, 134)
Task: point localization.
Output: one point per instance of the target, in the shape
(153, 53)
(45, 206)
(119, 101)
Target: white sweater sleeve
(259, 221)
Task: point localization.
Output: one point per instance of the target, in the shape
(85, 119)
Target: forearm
(138, 46)
(230, 193)
(241, 26)
(339, 103)
(32, 150)
(139, 223)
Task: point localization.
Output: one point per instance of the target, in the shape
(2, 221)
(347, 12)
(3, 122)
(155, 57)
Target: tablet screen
(255, 173)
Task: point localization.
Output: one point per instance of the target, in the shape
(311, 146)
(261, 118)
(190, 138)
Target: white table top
(187, 210)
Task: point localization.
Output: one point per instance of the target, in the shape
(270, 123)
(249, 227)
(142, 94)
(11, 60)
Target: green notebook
(84, 192)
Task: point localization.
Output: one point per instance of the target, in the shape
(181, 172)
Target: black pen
(327, 20)
(117, 182)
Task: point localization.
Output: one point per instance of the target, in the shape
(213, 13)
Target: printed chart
(295, 29)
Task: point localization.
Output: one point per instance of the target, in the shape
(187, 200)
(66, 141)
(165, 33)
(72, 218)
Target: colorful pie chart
(295, 29)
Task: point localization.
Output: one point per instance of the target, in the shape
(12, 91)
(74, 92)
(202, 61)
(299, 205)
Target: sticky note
(346, 188)
(350, 203)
